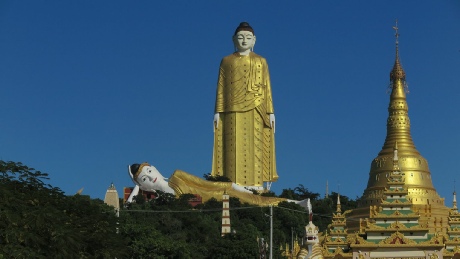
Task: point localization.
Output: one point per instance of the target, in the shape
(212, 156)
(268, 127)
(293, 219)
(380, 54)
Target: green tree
(39, 221)
(216, 178)
(152, 226)
(146, 241)
(289, 194)
(324, 208)
(240, 244)
(299, 193)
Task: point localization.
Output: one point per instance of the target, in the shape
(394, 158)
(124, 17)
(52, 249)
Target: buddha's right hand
(216, 120)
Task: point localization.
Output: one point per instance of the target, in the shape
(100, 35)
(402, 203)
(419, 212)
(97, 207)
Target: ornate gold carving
(397, 225)
(400, 203)
(372, 226)
(436, 239)
(397, 239)
(346, 212)
(380, 162)
(338, 240)
(357, 240)
(338, 231)
(398, 216)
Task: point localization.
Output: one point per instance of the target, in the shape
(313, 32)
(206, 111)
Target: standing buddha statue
(244, 120)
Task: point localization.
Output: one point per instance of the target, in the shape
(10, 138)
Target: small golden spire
(398, 123)
(396, 32)
(454, 205)
(455, 201)
(339, 207)
(398, 71)
(395, 158)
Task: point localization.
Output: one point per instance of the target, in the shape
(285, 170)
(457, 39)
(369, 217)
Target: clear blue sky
(88, 87)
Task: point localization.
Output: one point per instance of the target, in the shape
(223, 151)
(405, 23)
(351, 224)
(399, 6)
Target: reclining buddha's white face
(149, 178)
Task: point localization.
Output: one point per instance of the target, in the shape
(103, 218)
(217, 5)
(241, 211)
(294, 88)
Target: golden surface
(337, 239)
(183, 183)
(417, 176)
(244, 146)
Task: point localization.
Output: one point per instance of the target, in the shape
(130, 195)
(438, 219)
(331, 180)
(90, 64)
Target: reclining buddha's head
(146, 176)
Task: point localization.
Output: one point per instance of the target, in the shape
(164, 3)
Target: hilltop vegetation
(39, 221)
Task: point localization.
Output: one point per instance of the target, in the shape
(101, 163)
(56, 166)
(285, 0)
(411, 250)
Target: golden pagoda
(335, 243)
(452, 249)
(421, 193)
(400, 214)
(393, 229)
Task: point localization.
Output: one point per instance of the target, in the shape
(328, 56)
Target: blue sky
(89, 87)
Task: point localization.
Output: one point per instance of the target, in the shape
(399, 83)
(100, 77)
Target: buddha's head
(146, 176)
(244, 38)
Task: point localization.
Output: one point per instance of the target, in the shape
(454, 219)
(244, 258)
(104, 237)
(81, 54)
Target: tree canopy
(39, 221)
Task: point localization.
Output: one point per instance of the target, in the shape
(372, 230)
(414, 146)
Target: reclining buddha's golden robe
(183, 183)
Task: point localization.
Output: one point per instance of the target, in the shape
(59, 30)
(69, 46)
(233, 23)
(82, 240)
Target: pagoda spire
(395, 158)
(339, 207)
(399, 157)
(454, 201)
(398, 71)
(398, 140)
(398, 122)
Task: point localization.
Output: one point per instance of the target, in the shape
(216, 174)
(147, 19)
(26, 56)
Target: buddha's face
(149, 178)
(244, 40)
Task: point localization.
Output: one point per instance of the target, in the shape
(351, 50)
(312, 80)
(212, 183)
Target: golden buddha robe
(244, 144)
(183, 183)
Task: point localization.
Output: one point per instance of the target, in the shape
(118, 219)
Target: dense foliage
(39, 221)
(216, 178)
(170, 228)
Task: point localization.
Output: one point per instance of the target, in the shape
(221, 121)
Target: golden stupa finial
(398, 123)
(454, 202)
(396, 32)
(395, 152)
(339, 207)
(397, 72)
(395, 158)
